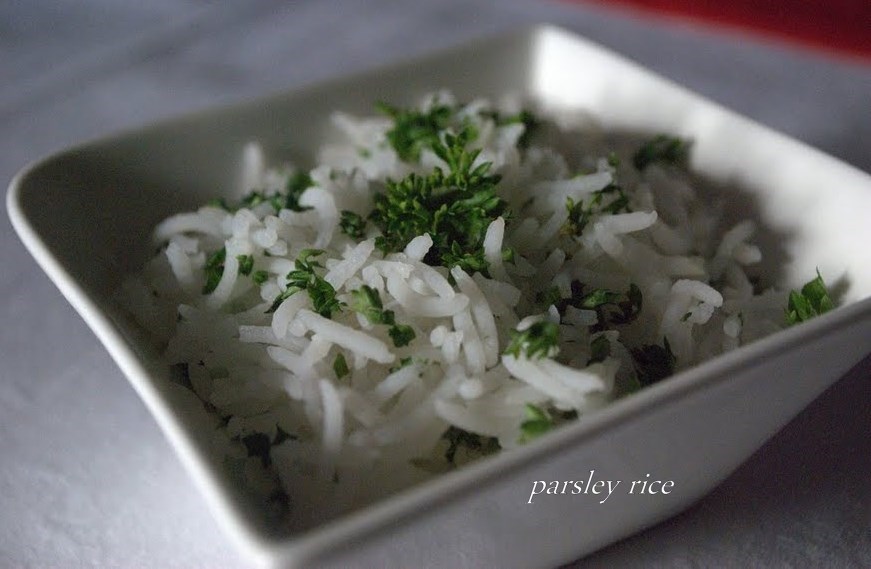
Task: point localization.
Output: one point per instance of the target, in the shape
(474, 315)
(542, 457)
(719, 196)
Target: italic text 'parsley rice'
(451, 280)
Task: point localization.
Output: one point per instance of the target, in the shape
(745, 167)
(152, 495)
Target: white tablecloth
(86, 477)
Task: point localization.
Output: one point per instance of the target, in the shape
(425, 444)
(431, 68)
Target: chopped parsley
(214, 269)
(258, 445)
(246, 264)
(304, 277)
(540, 340)
(538, 422)
(401, 334)
(260, 277)
(525, 117)
(663, 149)
(612, 307)
(340, 366)
(552, 295)
(458, 438)
(297, 183)
(404, 362)
(367, 302)
(352, 224)
(610, 199)
(653, 362)
(812, 300)
(454, 208)
(600, 348)
(413, 130)
(470, 262)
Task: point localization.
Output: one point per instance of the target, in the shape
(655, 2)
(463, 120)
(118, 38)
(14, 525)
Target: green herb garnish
(414, 130)
(258, 445)
(260, 277)
(304, 277)
(610, 199)
(530, 123)
(367, 302)
(220, 203)
(404, 362)
(540, 340)
(352, 224)
(538, 422)
(470, 262)
(454, 208)
(214, 269)
(612, 307)
(401, 334)
(458, 438)
(298, 183)
(812, 300)
(340, 366)
(662, 148)
(600, 348)
(552, 295)
(653, 362)
(246, 264)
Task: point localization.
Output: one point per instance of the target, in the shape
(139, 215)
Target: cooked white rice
(344, 441)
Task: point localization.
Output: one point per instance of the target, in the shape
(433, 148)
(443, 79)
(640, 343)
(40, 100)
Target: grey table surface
(87, 479)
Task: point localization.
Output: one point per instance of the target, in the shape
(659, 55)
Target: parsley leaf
(653, 362)
(340, 366)
(538, 341)
(527, 118)
(661, 148)
(401, 334)
(214, 269)
(537, 423)
(296, 185)
(610, 199)
(612, 307)
(352, 224)
(246, 264)
(406, 361)
(599, 297)
(367, 302)
(260, 277)
(454, 208)
(461, 439)
(304, 277)
(600, 348)
(220, 203)
(414, 130)
(323, 297)
(552, 295)
(812, 300)
(258, 445)
(470, 262)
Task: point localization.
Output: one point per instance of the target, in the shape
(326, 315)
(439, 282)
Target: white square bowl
(86, 215)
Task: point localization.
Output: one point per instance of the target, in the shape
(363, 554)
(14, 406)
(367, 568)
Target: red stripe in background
(839, 26)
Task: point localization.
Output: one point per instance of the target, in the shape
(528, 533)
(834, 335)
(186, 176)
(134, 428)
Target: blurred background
(86, 479)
